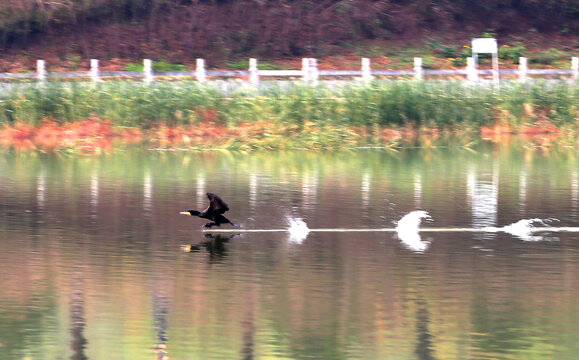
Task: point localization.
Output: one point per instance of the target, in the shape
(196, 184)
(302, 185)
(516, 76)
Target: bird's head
(190, 213)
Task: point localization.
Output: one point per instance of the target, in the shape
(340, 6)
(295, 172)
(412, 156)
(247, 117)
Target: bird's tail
(232, 223)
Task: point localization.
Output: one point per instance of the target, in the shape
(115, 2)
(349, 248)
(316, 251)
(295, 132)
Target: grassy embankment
(91, 117)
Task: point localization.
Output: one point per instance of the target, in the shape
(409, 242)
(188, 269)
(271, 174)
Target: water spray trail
(411, 221)
(298, 230)
(525, 228)
(407, 230)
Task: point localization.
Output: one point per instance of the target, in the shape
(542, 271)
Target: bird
(213, 212)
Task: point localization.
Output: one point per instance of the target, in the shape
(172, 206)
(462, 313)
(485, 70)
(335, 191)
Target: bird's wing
(216, 205)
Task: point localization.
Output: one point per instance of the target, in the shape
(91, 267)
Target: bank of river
(93, 117)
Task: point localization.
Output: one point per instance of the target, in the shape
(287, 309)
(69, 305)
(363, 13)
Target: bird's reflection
(214, 244)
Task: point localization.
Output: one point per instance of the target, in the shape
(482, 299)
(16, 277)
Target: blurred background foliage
(198, 28)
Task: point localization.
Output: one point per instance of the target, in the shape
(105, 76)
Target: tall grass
(373, 105)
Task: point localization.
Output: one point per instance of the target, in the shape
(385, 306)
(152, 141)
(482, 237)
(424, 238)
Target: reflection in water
(249, 318)
(123, 287)
(366, 190)
(424, 342)
(41, 190)
(94, 195)
(161, 321)
(201, 190)
(147, 193)
(309, 190)
(484, 198)
(253, 191)
(417, 191)
(413, 241)
(523, 187)
(215, 246)
(574, 193)
(77, 318)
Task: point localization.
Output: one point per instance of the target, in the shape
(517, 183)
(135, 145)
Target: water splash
(297, 229)
(407, 230)
(524, 228)
(411, 221)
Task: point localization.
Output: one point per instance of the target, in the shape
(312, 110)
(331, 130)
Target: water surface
(92, 262)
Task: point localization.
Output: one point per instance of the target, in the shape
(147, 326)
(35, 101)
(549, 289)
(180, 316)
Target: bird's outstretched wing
(216, 205)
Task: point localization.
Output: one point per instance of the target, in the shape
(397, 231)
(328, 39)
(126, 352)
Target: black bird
(214, 212)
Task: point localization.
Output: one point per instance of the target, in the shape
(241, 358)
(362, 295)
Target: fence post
(305, 69)
(41, 70)
(366, 71)
(418, 71)
(496, 73)
(575, 67)
(314, 73)
(200, 70)
(523, 69)
(471, 72)
(148, 69)
(94, 70)
(253, 72)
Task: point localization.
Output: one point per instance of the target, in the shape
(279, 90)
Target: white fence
(309, 72)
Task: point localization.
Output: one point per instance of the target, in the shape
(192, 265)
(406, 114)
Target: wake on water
(298, 230)
(408, 229)
(525, 228)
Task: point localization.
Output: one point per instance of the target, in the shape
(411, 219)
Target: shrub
(546, 57)
(512, 53)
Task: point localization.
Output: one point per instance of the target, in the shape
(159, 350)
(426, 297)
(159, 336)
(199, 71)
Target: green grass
(394, 104)
(158, 66)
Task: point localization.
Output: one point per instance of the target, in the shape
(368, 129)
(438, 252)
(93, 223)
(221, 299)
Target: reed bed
(290, 115)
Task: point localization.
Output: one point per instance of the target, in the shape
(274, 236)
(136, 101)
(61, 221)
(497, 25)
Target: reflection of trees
(161, 303)
(77, 319)
(331, 297)
(424, 343)
(26, 325)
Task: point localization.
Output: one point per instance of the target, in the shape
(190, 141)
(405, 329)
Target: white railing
(309, 72)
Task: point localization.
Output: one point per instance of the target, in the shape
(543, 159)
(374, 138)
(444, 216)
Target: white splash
(411, 221)
(524, 228)
(407, 230)
(298, 230)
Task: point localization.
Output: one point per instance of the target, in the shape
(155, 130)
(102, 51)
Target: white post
(418, 71)
(366, 71)
(94, 70)
(200, 70)
(314, 74)
(305, 69)
(253, 72)
(496, 68)
(471, 72)
(148, 70)
(575, 67)
(41, 70)
(523, 69)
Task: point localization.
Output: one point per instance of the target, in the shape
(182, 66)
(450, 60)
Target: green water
(92, 263)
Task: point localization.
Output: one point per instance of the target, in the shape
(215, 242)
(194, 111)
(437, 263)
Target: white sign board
(487, 46)
(484, 46)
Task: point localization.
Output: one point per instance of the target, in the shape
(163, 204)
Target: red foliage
(92, 135)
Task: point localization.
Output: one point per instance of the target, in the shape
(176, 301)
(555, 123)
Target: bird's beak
(185, 213)
(186, 248)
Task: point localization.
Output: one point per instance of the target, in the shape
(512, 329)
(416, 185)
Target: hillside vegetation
(180, 30)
